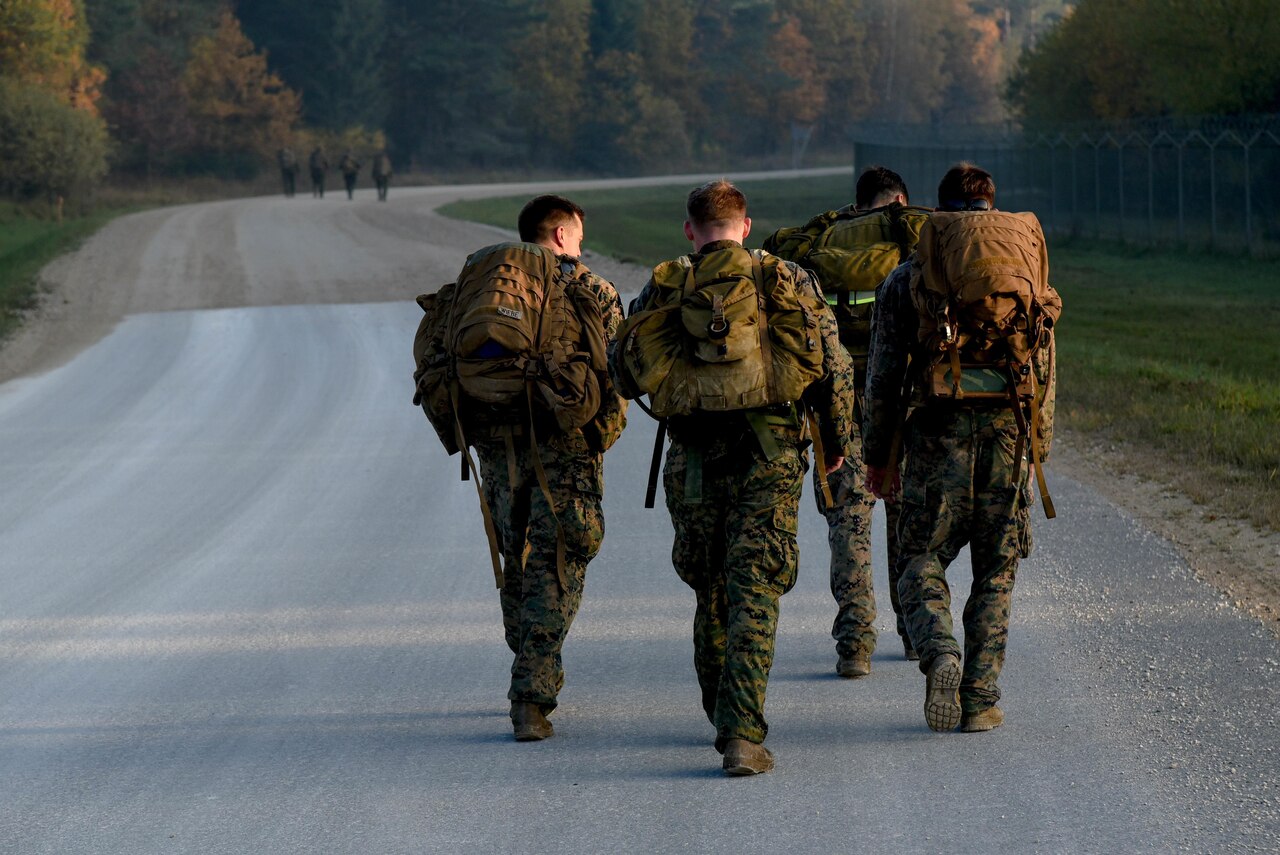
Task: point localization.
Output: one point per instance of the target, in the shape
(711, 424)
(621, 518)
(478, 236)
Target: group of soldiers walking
(911, 347)
(318, 167)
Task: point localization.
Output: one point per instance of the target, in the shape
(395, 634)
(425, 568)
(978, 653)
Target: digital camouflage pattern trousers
(849, 535)
(735, 518)
(958, 488)
(537, 608)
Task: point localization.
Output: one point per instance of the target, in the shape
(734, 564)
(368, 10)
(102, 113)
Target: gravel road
(247, 608)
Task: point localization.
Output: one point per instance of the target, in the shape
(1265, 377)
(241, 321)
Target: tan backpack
(517, 334)
(733, 332)
(987, 312)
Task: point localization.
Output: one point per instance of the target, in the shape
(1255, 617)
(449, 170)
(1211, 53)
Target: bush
(46, 147)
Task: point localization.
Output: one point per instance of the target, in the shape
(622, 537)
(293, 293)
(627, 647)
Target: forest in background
(180, 88)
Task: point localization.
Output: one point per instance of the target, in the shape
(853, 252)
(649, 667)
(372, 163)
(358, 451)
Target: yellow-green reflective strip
(856, 298)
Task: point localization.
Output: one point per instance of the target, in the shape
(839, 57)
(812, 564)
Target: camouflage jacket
(895, 335)
(832, 398)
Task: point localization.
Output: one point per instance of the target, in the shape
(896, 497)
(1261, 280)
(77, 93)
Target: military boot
(857, 665)
(529, 722)
(742, 757)
(942, 693)
(909, 651)
(988, 719)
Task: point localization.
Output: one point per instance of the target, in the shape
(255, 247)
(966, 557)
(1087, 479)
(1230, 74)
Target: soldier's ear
(688, 230)
(746, 227)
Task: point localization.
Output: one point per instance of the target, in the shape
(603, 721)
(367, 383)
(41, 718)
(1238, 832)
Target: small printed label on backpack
(510, 313)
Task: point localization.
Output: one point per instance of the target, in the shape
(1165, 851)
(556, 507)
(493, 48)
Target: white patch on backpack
(510, 313)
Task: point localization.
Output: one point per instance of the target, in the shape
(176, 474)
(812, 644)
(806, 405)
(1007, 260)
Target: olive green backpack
(731, 332)
(851, 252)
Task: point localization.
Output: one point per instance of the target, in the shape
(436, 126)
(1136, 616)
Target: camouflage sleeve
(1046, 367)
(831, 399)
(611, 419)
(893, 333)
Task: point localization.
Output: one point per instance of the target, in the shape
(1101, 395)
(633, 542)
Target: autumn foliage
(238, 108)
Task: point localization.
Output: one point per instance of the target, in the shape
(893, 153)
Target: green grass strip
(26, 245)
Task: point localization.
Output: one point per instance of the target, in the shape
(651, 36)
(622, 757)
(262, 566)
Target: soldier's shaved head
(716, 203)
(541, 216)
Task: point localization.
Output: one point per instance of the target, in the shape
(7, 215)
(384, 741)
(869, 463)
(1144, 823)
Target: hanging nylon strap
(469, 464)
(820, 457)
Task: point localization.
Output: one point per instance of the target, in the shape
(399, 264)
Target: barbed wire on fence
(1205, 182)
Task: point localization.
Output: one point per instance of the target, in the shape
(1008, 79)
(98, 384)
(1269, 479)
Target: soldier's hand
(876, 483)
(831, 464)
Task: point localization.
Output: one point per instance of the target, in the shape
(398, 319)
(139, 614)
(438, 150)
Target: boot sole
(942, 697)
(739, 770)
(533, 735)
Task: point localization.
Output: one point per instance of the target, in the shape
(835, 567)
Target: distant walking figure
(382, 174)
(319, 166)
(350, 171)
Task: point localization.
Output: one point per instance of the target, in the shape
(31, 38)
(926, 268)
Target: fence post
(1151, 192)
(1213, 195)
(1182, 223)
(1248, 200)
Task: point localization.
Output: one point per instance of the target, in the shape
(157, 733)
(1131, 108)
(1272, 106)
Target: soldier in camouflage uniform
(288, 170)
(849, 517)
(350, 168)
(733, 484)
(318, 163)
(382, 174)
(538, 606)
(958, 488)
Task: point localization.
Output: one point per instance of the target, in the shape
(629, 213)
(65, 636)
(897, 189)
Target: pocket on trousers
(785, 527)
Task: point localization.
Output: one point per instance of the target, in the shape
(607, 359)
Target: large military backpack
(852, 252)
(731, 332)
(987, 313)
(517, 334)
(515, 339)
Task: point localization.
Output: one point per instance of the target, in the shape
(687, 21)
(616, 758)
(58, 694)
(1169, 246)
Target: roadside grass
(1174, 357)
(27, 244)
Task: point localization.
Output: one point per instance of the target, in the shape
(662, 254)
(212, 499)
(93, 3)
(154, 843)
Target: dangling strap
(766, 348)
(485, 512)
(651, 492)
(1049, 511)
(546, 491)
(956, 373)
(819, 458)
(1020, 450)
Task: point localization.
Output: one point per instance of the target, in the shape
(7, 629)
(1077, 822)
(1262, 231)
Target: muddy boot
(988, 719)
(746, 758)
(529, 722)
(942, 693)
(850, 667)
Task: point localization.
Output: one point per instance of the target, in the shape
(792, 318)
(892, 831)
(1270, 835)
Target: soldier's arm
(611, 418)
(831, 399)
(1046, 365)
(893, 332)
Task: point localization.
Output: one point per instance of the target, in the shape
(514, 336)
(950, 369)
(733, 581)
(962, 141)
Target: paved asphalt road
(246, 607)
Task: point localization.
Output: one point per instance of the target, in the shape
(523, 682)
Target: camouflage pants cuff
(933, 649)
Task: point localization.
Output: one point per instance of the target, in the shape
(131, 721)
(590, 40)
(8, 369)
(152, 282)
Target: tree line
(182, 87)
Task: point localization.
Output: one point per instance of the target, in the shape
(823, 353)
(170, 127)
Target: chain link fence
(1205, 183)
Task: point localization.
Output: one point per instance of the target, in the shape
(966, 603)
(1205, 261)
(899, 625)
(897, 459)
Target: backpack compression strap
(766, 349)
